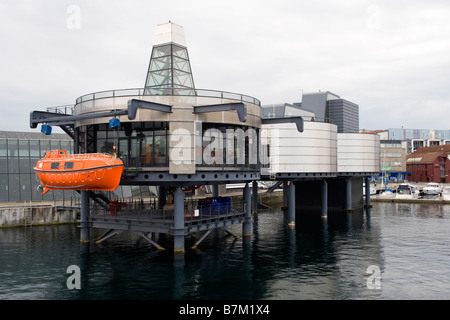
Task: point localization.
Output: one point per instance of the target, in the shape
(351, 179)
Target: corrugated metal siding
(344, 114)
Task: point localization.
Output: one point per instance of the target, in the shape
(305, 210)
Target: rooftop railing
(169, 92)
(65, 109)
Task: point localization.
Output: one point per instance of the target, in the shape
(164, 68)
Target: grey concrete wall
(16, 216)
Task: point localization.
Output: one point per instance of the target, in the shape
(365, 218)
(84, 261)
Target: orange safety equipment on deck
(91, 171)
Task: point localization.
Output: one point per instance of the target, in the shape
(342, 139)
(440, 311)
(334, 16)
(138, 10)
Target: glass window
(181, 64)
(35, 192)
(3, 156)
(161, 51)
(123, 148)
(34, 149)
(24, 157)
(13, 165)
(24, 148)
(3, 148)
(238, 148)
(68, 165)
(160, 148)
(45, 147)
(146, 148)
(55, 144)
(54, 165)
(183, 79)
(13, 187)
(25, 187)
(24, 165)
(67, 145)
(13, 148)
(160, 78)
(161, 63)
(3, 187)
(180, 52)
(3, 165)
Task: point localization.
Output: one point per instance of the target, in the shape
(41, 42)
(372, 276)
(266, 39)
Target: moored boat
(406, 191)
(446, 194)
(92, 171)
(387, 193)
(432, 188)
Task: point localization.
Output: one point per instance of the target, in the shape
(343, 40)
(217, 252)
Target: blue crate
(46, 129)
(114, 123)
(214, 205)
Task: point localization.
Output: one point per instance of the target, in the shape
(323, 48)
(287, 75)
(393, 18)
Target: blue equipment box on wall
(46, 129)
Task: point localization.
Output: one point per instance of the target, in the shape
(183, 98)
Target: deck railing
(168, 92)
(140, 211)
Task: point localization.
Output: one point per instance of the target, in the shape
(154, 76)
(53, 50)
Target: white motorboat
(432, 188)
(406, 191)
(387, 193)
(404, 186)
(446, 194)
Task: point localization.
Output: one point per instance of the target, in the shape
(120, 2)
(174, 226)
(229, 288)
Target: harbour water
(395, 251)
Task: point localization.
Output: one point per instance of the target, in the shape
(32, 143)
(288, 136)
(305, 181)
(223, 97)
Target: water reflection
(320, 258)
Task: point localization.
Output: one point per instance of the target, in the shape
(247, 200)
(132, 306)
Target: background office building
(417, 138)
(393, 159)
(430, 164)
(330, 107)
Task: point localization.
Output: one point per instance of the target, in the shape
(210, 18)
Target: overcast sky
(392, 58)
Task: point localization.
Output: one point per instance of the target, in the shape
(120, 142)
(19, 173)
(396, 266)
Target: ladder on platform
(28, 221)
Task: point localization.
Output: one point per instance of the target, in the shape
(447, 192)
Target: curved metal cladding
(183, 107)
(358, 153)
(312, 151)
(182, 125)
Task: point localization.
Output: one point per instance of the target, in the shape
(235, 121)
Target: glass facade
(139, 144)
(229, 146)
(408, 134)
(20, 151)
(442, 134)
(146, 144)
(18, 156)
(169, 68)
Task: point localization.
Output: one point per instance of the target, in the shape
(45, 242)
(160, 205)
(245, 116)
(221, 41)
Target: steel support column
(324, 199)
(348, 194)
(178, 222)
(215, 190)
(285, 194)
(367, 191)
(291, 209)
(246, 226)
(161, 197)
(255, 196)
(85, 230)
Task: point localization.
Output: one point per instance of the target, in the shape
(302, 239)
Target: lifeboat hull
(59, 171)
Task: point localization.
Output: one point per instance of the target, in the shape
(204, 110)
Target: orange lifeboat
(92, 171)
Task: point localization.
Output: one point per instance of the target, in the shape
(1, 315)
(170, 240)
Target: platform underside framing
(139, 223)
